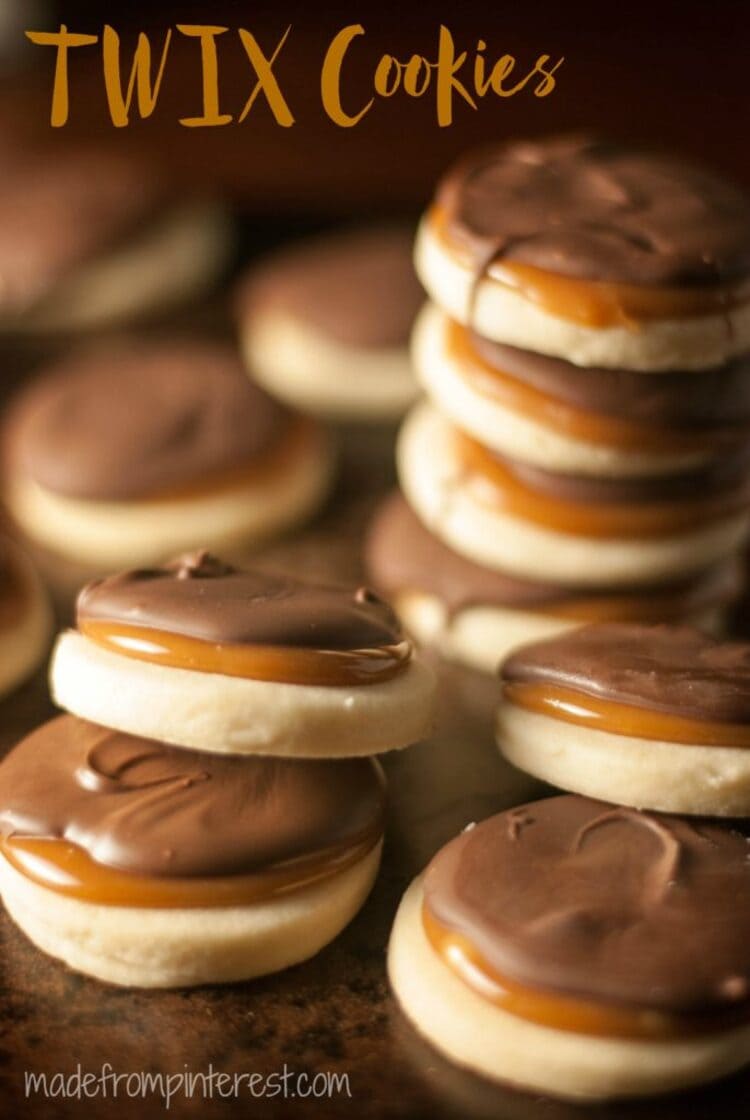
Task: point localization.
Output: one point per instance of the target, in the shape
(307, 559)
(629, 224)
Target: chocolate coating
(136, 421)
(595, 211)
(358, 287)
(145, 807)
(674, 400)
(200, 597)
(401, 555)
(670, 669)
(59, 210)
(580, 898)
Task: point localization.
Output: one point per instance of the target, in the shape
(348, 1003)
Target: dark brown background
(666, 73)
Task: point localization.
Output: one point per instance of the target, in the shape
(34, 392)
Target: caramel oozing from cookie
(622, 719)
(529, 401)
(69, 870)
(598, 304)
(498, 486)
(290, 665)
(560, 1012)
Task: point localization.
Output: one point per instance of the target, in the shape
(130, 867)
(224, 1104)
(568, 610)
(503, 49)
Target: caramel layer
(290, 665)
(496, 484)
(69, 870)
(591, 427)
(300, 431)
(598, 304)
(562, 1012)
(623, 719)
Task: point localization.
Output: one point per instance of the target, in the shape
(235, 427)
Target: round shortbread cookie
(114, 534)
(646, 773)
(501, 313)
(476, 1034)
(432, 477)
(325, 324)
(143, 947)
(512, 433)
(214, 712)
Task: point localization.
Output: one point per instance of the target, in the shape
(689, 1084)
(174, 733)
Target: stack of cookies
(599, 948)
(583, 454)
(209, 810)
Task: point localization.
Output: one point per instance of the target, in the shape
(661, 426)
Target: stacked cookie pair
(583, 455)
(210, 809)
(599, 948)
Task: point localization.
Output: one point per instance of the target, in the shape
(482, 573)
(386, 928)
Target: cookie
(203, 655)
(150, 866)
(595, 253)
(114, 456)
(657, 717)
(477, 615)
(325, 324)
(581, 950)
(543, 526)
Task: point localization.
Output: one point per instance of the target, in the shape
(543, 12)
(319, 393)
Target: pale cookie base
(24, 644)
(483, 636)
(122, 534)
(476, 1034)
(433, 482)
(504, 315)
(235, 715)
(142, 947)
(166, 264)
(513, 433)
(644, 773)
(297, 364)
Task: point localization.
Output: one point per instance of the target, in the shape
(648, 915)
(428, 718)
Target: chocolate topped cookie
(611, 906)
(653, 716)
(663, 668)
(155, 810)
(356, 287)
(200, 597)
(115, 455)
(599, 254)
(597, 211)
(141, 420)
(325, 325)
(612, 942)
(205, 655)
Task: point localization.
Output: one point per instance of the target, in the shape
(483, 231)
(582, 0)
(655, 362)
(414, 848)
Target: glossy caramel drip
(593, 303)
(611, 716)
(69, 870)
(300, 432)
(496, 484)
(610, 431)
(290, 665)
(562, 1012)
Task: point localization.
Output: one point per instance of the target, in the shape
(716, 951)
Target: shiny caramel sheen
(591, 427)
(289, 665)
(562, 1012)
(69, 870)
(616, 718)
(495, 484)
(593, 303)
